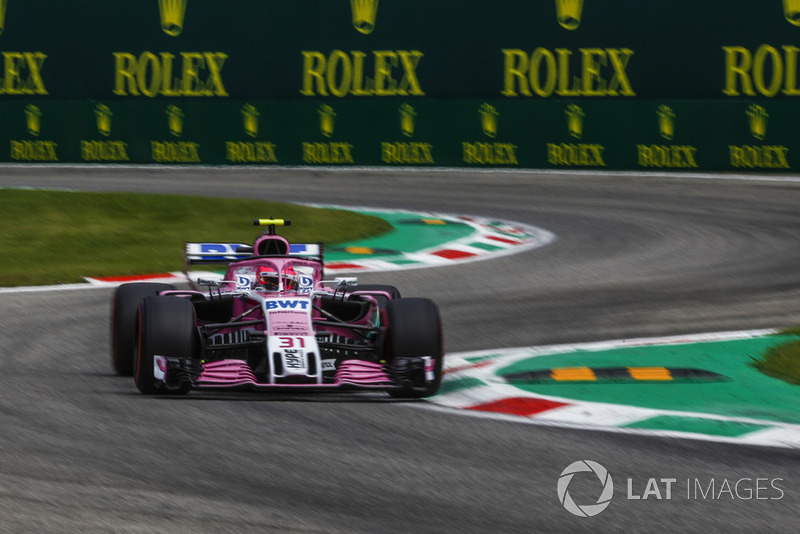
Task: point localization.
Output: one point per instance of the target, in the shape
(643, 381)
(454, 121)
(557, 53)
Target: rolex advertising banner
(569, 84)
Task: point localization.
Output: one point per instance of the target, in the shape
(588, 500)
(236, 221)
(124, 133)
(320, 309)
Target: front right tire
(166, 327)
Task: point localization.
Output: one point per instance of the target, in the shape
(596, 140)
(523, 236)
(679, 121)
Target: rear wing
(225, 253)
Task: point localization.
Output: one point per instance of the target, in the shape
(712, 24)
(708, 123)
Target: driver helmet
(291, 282)
(268, 278)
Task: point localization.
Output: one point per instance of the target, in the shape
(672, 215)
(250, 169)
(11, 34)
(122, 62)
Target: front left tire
(414, 334)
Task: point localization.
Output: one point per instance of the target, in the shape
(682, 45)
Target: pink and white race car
(273, 322)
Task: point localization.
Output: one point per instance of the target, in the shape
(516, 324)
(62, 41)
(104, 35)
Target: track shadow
(346, 396)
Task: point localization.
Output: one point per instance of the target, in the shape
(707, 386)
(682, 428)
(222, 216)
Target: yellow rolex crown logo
(250, 117)
(575, 116)
(172, 12)
(666, 122)
(757, 117)
(364, 14)
(33, 118)
(327, 118)
(103, 116)
(408, 118)
(569, 13)
(791, 9)
(489, 119)
(175, 120)
(3, 4)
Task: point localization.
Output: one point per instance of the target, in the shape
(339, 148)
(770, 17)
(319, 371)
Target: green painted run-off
(747, 394)
(410, 234)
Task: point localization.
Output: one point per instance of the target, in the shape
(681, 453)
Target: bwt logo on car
(220, 248)
(287, 304)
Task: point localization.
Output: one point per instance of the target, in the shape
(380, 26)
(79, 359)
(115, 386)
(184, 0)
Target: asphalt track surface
(82, 451)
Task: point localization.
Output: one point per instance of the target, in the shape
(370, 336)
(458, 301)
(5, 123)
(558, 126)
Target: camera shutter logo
(587, 510)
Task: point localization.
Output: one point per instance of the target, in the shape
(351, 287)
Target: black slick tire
(124, 306)
(414, 331)
(166, 328)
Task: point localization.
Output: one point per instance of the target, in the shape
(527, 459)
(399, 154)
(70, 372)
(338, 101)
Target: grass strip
(781, 361)
(53, 237)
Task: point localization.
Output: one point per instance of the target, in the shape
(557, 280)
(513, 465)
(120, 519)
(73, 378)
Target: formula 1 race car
(272, 322)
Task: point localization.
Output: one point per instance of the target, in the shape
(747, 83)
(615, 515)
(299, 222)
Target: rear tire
(166, 328)
(415, 331)
(124, 306)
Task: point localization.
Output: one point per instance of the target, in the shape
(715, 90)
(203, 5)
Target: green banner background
(680, 85)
